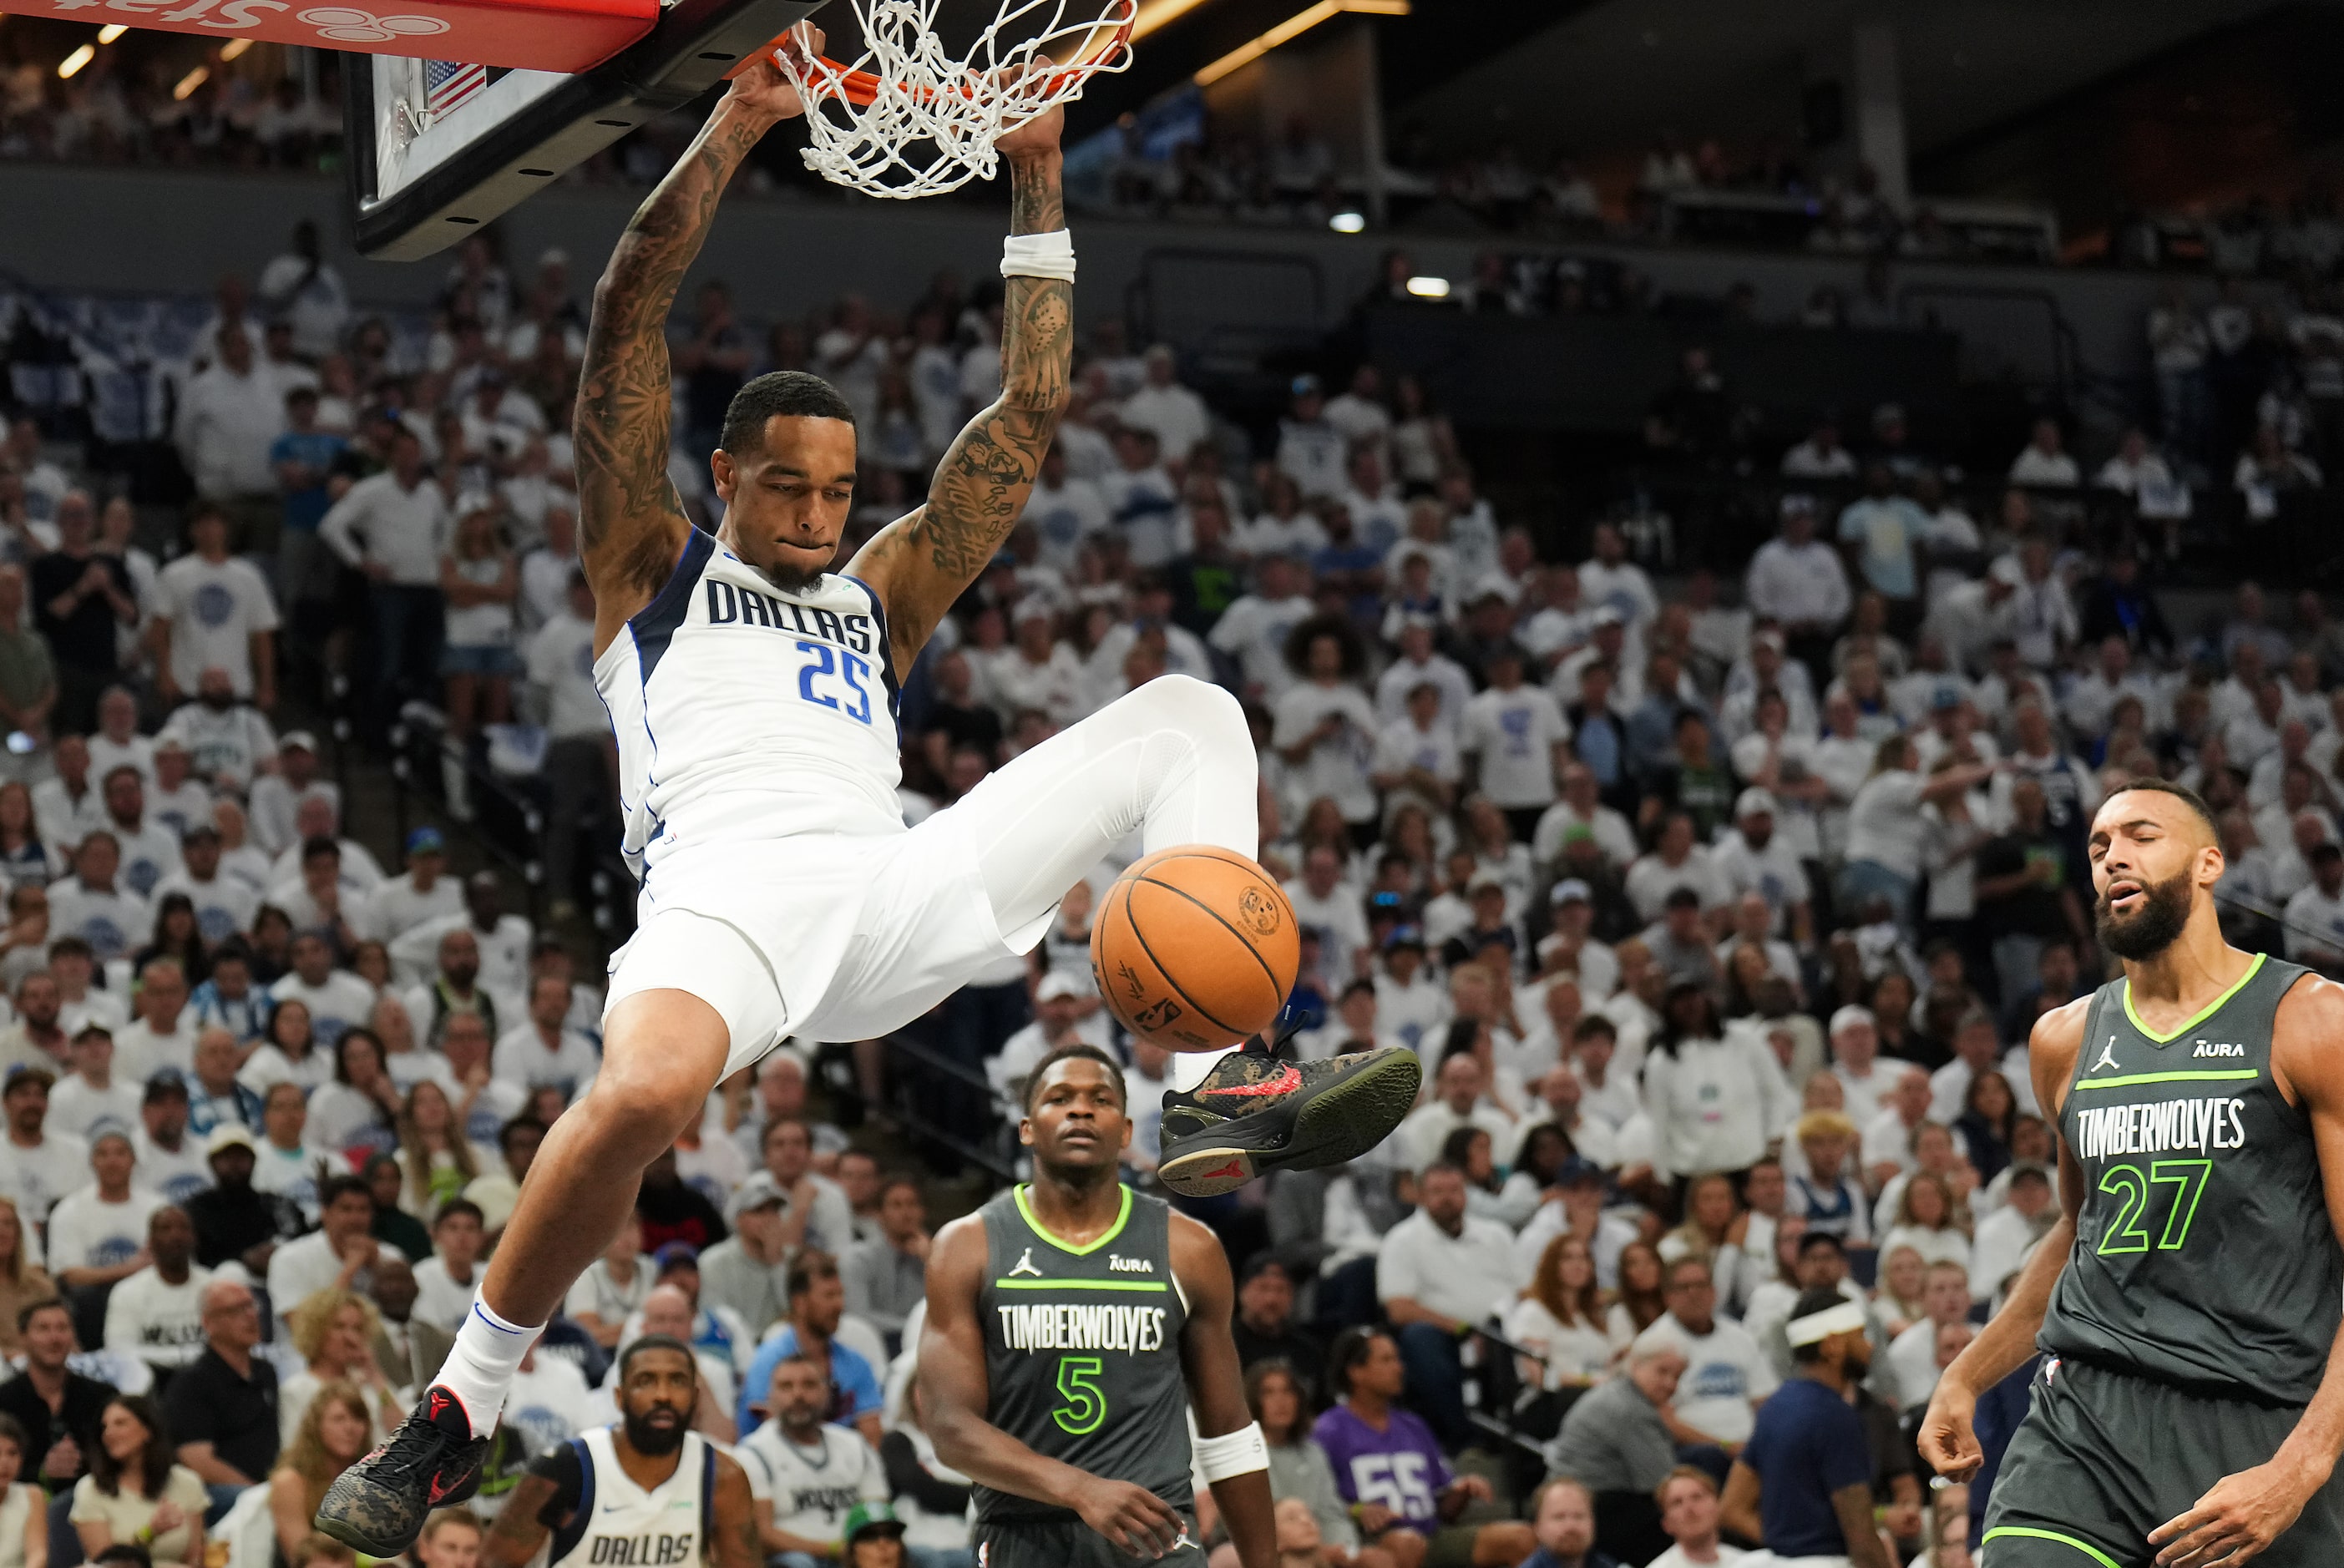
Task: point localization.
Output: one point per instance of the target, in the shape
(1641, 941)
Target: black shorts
(1074, 1544)
(2104, 1458)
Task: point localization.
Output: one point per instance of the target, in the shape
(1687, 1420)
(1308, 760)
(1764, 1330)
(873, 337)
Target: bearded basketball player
(2189, 1409)
(752, 689)
(1072, 1325)
(647, 1492)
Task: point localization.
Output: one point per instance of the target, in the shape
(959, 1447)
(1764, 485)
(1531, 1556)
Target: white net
(909, 117)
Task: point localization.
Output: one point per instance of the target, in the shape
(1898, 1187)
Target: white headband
(1819, 1326)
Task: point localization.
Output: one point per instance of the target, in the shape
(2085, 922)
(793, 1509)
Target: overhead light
(1293, 27)
(233, 48)
(1156, 14)
(190, 83)
(1347, 223)
(1428, 287)
(110, 32)
(75, 61)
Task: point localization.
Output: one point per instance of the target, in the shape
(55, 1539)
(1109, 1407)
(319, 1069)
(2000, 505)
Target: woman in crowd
(1467, 1148)
(133, 1494)
(1710, 1211)
(357, 1112)
(332, 1434)
(24, 1506)
(272, 945)
(1902, 1274)
(289, 1053)
(23, 858)
(334, 1331)
(1716, 1097)
(21, 1281)
(1298, 1467)
(1988, 1123)
(394, 1226)
(1891, 999)
(177, 936)
(1561, 1319)
(1934, 1150)
(371, 962)
(437, 1160)
(1641, 1303)
(1929, 1222)
(1538, 1167)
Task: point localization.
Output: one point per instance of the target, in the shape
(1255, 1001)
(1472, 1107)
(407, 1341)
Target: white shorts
(820, 936)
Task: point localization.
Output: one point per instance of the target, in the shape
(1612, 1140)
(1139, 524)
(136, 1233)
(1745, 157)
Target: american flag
(448, 83)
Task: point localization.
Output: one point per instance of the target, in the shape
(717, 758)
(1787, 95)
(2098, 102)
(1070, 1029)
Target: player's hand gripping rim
(2237, 1520)
(1134, 1518)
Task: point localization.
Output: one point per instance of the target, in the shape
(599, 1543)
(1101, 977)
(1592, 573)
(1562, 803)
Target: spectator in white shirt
(148, 851)
(446, 1282)
(544, 1050)
(1519, 740)
(1440, 1272)
(214, 611)
(156, 1313)
(1797, 582)
(277, 797)
(92, 905)
(422, 892)
(1727, 1375)
(1819, 456)
(1175, 415)
(1065, 511)
(336, 999)
(97, 1233)
(162, 1035)
(316, 817)
(1255, 628)
(393, 528)
(501, 941)
(68, 804)
(228, 416)
(1325, 727)
(1357, 413)
(1689, 1516)
(1419, 753)
(1612, 578)
(1310, 450)
(88, 1100)
(1716, 1097)
(2043, 460)
(2315, 915)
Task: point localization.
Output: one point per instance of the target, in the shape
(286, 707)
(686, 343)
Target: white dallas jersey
(745, 713)
(618, 1524)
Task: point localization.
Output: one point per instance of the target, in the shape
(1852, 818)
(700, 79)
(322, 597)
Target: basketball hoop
(908, 117)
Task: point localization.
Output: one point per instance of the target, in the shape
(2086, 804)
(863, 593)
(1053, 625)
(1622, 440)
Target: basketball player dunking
(649, 1491)
(1071, 1327)
(2190, 1407)
(753, 690)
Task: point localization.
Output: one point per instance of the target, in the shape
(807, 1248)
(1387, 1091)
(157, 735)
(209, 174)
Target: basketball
(1195, 947)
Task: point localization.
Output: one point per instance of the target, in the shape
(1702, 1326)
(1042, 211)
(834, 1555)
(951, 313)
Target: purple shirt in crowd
(1400, 1467)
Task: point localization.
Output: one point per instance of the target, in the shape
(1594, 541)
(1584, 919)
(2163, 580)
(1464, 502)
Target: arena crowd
(1718, 909)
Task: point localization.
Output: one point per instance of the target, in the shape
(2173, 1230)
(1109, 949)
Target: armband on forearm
(1240, 1452)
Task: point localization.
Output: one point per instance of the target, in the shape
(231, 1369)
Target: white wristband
(1240, 1452)
(1050, 255)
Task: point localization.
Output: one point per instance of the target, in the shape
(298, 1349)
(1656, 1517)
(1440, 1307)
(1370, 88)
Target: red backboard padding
(566, 35)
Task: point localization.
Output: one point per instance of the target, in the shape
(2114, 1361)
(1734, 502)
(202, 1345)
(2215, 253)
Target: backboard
(436, 149)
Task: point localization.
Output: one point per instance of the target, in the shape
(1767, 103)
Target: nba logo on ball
(1195, 948)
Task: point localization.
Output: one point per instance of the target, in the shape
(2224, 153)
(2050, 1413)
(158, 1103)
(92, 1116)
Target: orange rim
(861, 88)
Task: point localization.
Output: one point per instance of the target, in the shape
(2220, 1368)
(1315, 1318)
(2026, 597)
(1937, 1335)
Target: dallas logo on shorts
(652, 1550)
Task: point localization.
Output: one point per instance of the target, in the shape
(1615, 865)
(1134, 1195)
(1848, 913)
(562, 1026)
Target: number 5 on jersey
(1086, 1406)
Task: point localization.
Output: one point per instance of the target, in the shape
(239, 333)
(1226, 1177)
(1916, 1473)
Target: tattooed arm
(520, 1531)
(919, 564)
(631, 523)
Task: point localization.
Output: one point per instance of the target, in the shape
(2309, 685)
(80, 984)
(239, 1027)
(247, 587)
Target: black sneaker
(433, 1460)
(1254, 1114)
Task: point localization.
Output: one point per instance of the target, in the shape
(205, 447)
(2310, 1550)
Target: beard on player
(660, 1427)
(2151, 926)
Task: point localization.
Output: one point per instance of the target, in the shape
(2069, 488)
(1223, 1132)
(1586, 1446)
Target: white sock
(1189, 1067)
(480, 1370)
